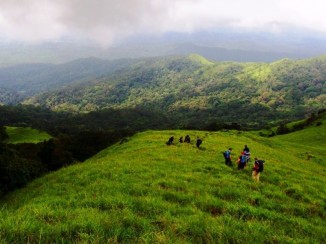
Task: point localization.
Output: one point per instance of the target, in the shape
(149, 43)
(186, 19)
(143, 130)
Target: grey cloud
(87, 14)
(29, 20)
(103, 20)
(110, 20)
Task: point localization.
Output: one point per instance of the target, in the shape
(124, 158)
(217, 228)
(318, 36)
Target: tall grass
(146, 191)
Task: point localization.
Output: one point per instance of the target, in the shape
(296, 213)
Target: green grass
(143, 191)
(200, 59)
(25, 135)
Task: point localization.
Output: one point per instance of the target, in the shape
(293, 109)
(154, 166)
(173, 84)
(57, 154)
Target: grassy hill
(145, 191)
(25, 135)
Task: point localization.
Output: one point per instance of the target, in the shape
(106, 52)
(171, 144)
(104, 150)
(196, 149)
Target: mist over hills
(24, 80)
(217, 46)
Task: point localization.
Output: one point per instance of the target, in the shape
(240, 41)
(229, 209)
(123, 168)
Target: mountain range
(217, 46)
(182, 86)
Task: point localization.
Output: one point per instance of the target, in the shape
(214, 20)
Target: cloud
(30, 20)
(107, 21)
(111, 20)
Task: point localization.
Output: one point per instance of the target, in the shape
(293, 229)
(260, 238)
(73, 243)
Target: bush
(282, 129)
(16, 171)
(3, 133)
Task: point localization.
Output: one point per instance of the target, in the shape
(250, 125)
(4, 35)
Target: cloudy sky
(108, 21)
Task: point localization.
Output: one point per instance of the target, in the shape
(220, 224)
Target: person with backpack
(227, 156)
(242, 161)
(257, 168)
(198, 142)
(170, 141)
(246, 152)
(246, 149)
(187, 139)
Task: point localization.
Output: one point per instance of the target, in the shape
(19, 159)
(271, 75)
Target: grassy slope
(307, 144)
(25, 135)
(145, 191)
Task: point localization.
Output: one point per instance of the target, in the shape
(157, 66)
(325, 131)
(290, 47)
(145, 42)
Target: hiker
(242, 161)
(227, 156)
(181, 139)
(187, 139)
(246, 152)
(170, 141)
(246, 149)
(257, 168)
(198, 142)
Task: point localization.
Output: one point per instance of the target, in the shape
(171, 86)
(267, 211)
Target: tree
(282, 129)
(3, 134)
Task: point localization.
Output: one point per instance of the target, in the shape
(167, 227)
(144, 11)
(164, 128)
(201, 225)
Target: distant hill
(195, 89)
(9, 97)
(141, 190)
(225, 45)
(31, 79)
(224, 54)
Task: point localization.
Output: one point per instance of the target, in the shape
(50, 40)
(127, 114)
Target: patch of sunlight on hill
(315, 135)
(309, 143)
(259, 72)
(283, 61)
(145, 191)
(200, 59)
(25, 135)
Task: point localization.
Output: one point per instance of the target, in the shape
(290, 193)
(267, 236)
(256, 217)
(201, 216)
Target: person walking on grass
(246, 152)
(170, 141)
(242, 161)
(187, 139)
(198, 142)
(181, 139)
(227, 156)
(257, 168)
(246, 149)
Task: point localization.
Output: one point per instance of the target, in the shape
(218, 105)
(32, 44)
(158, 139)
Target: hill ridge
(186, 87)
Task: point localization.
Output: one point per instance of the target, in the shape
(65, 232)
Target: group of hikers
(186, 140)
(242, 160)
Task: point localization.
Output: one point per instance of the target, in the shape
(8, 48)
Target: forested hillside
(30, 79)
(195, 89)
(190, 91)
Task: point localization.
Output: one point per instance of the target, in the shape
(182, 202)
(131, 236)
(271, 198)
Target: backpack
(226, 154)
(243, 159)
(261, 165)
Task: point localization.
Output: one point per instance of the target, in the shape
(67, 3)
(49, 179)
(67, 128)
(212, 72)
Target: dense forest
(160, 93)
(22, 162)
(192, 90)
